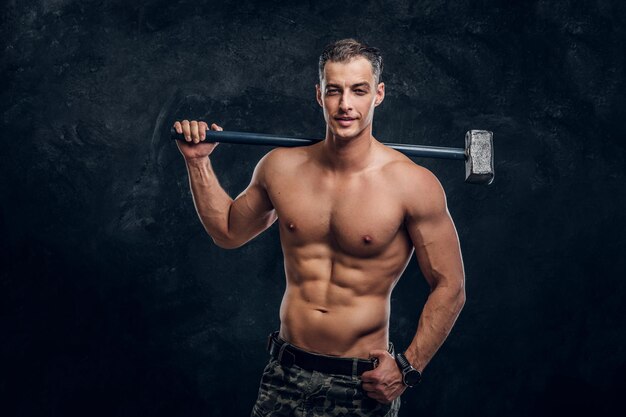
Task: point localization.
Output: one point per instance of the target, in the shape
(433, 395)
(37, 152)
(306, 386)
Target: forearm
(212, 203)
(440, 312)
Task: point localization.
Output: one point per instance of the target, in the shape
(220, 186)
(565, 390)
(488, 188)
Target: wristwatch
(410, 375)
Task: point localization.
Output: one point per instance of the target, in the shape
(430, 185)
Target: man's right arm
(230, 223)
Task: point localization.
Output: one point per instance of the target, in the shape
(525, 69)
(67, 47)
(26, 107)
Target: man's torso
(345, 246)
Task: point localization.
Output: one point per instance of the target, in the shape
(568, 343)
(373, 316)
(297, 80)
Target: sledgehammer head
(479, 162)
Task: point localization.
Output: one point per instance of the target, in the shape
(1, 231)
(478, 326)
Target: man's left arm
(438, 253)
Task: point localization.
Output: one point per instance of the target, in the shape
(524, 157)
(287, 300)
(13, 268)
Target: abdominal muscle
(335, 309)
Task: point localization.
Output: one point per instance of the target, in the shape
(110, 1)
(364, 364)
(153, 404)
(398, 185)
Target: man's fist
(384, 384)
(195, 133)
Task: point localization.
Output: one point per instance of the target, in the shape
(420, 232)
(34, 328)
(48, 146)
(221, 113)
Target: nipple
(291, 227)
(367, 239)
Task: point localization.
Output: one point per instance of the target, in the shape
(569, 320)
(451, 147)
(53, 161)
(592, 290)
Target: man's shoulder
(406, 173)
(283, 160)
(417, 187)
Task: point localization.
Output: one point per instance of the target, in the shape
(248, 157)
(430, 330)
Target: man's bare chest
(359, 217)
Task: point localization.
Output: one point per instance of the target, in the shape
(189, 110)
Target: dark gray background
(113, 300)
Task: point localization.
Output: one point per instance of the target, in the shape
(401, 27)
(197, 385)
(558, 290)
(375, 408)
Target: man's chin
(344, 134)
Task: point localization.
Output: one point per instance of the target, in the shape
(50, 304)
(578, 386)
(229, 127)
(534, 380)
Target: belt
(288, 355)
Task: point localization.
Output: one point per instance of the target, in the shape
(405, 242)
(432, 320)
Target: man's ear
(318, 94)
(380, 94)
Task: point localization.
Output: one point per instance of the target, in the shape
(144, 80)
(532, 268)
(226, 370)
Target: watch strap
(403, 362)
(408, 371)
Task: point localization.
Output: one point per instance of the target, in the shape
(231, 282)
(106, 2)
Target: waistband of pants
(289, 355)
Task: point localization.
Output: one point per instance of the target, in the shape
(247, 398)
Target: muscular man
(350, 212)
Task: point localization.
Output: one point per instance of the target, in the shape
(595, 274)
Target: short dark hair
(346, 49)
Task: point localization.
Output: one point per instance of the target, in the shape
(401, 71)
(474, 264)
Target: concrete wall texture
(114, 301)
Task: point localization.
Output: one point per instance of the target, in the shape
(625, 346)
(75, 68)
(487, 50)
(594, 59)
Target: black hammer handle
(228, 136)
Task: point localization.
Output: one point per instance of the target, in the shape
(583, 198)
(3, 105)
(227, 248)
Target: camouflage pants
(297, 392)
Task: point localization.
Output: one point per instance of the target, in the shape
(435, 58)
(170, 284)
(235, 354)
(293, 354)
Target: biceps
(437, 249)
(252, 211)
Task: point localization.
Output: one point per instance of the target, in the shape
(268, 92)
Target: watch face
(412, 377)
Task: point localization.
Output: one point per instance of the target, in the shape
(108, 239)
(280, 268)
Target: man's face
(348, 94)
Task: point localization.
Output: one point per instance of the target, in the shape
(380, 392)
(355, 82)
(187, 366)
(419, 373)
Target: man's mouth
(345, 121)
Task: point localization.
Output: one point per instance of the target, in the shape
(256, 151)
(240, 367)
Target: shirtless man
(350, 212)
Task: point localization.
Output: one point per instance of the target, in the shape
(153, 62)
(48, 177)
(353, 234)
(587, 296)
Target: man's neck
(348, 155)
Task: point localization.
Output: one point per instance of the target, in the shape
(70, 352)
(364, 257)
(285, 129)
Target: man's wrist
(410, 375)
(414, 359)
(195, 162)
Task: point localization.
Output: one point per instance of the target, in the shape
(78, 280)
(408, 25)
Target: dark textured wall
(114, 302)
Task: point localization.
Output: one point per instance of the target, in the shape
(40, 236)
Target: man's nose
(346, 102)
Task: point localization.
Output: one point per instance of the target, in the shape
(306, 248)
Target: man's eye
(360, 92)
(333, 91)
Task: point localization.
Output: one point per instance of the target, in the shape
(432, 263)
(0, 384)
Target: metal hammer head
(479, 161)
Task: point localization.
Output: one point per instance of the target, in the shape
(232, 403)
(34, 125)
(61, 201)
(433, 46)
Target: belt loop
(355, 363)
(280, 352)
(285, 356)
